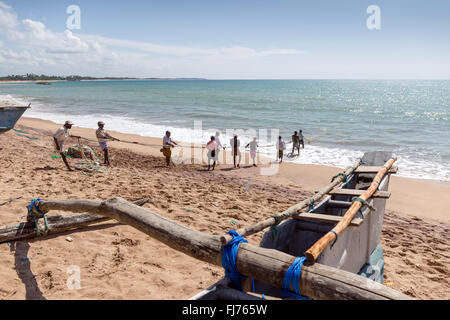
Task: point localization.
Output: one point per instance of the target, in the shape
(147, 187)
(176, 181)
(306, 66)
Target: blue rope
(292, 278)
(36, 214)
(34, 204)
(229, 258)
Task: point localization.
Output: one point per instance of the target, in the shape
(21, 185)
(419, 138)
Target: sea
(340, 119)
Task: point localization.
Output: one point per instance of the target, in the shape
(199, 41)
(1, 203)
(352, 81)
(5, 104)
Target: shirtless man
(235, 143)
(295, 143)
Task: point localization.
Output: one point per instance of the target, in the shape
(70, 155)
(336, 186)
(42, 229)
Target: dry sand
(119, 262)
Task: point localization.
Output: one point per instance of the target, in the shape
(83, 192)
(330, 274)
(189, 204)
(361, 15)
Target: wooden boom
(267, 265)
(313, 253)
(56, 223)
(293, 210)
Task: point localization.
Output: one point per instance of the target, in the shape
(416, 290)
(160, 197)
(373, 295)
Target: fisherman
(103, 137)
(302, 140)
(219, 145)
(60, 136)
(253, 145)
(167, 144)
(235, 143)
(295, 143)
(281, 146)
(212, 152)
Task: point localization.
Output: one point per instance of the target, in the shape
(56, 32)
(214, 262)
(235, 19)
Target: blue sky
(227, 39)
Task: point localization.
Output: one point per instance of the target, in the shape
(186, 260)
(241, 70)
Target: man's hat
(70, 123)
(100, 122)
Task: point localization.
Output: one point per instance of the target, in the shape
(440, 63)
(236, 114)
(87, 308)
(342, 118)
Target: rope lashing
(230, 251)
(364, 202)
(35, 213)
(274, 228)
(335, 238)
(292, 279)
(340, 175)
(311, 204)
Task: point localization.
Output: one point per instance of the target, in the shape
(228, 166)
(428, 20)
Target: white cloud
(69, 53)
(8, 19)
(37, 31)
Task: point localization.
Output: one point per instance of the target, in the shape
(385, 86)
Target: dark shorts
(280, 153)
(103, 145)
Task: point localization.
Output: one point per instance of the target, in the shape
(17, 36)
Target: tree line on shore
(43, 77)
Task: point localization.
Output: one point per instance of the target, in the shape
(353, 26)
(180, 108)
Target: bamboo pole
(293, 210)
(56, 223)
(313, 253)
(267, 265)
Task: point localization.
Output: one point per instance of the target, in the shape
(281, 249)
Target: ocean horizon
(341, 119)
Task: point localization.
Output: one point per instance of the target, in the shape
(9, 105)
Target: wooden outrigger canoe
(9, 115)
(357, 249)
(346, 276)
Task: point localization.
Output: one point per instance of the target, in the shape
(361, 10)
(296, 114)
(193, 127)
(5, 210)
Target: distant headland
(30, 77)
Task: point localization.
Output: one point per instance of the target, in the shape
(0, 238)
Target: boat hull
(9, 117)
(357, 250)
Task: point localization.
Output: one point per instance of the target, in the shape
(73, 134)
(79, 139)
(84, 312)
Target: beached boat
(331, 251)
(9, 115)
(358, 248)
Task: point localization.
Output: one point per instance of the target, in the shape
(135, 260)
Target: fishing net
(85, 164)
(75, 151)
(90, 167)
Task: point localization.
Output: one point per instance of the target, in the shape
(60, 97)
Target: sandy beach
(119, 262)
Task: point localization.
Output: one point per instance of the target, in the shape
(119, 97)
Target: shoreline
(423, 198)
(119, 262)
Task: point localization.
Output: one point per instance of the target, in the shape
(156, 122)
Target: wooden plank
(374, 169)
(356, 193)
(319, 217)
(267, 265)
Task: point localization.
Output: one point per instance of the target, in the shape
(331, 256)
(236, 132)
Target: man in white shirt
(103, 137)
(60, 136)
(302, 140)
(281, 146)
(219, 145)
(235, 144)
(253, 145)
(167, 144)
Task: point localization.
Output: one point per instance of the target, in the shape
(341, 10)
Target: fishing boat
(9, 115)
(357, 249)
(331, 250)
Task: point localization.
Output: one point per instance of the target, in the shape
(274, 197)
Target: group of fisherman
(214, 146)
(103, 137)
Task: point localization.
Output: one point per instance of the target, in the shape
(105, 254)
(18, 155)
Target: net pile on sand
(91, 167)
(85, 164)
(75, 151)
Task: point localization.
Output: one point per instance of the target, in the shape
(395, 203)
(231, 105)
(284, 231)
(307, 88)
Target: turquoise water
(341, 118)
